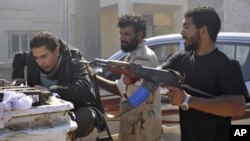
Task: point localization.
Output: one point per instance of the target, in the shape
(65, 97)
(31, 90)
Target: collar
(140, 46)
(54, 71)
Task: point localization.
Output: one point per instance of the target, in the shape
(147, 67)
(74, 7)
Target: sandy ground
(170, 133)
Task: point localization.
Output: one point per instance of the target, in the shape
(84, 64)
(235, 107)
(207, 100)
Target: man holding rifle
(208, 69)
(143, 122)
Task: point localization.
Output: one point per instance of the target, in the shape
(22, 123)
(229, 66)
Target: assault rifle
(136, 71)
(152, 77)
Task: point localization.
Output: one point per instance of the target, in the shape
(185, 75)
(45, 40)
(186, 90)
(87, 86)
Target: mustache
(183, 37)
(124, 42)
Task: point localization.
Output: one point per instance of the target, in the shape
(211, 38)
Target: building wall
(109, 31)
(236, 15)
(87, 28)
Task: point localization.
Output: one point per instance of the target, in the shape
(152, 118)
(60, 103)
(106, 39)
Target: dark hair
(133, 20)
(205, 16)
(44, 38)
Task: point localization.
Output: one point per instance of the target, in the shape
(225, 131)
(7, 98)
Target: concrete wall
(109, 31)
(237, 15)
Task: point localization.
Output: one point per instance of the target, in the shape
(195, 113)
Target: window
(235, 51)
(19, 41)
(164, 51)
(162, 30)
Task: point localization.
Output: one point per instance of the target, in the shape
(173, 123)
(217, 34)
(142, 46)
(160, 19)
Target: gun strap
(97, 94)
(125, 93)
(99, 104)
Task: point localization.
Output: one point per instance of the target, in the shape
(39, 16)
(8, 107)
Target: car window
(164, 51)
(240, 52)
(234, 51)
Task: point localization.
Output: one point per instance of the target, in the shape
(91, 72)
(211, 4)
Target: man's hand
(18, 82)
(4, 82)
(128, 80)
(90, 71)
(175, 94)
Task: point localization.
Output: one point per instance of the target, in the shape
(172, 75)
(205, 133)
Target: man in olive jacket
(49, 64)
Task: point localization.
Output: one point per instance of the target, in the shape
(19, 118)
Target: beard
(128, 47)
(195, 42)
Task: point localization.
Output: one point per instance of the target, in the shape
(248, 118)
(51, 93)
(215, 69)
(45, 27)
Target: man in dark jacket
(49, 64)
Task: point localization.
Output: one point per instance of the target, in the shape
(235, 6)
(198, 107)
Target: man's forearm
(108, 85)
(226, 105)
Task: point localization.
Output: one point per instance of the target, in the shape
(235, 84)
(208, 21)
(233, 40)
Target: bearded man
(210, 70)
(144, 122)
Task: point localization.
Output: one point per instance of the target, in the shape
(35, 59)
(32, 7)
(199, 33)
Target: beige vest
(144, 122)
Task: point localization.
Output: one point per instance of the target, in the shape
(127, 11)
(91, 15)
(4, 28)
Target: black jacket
(73, 84)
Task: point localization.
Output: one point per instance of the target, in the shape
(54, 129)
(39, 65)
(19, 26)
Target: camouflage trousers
(141, 126)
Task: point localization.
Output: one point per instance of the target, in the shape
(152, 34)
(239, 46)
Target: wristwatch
(184, 105)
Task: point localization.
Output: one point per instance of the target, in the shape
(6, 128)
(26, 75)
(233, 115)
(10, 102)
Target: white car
(235, 45)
